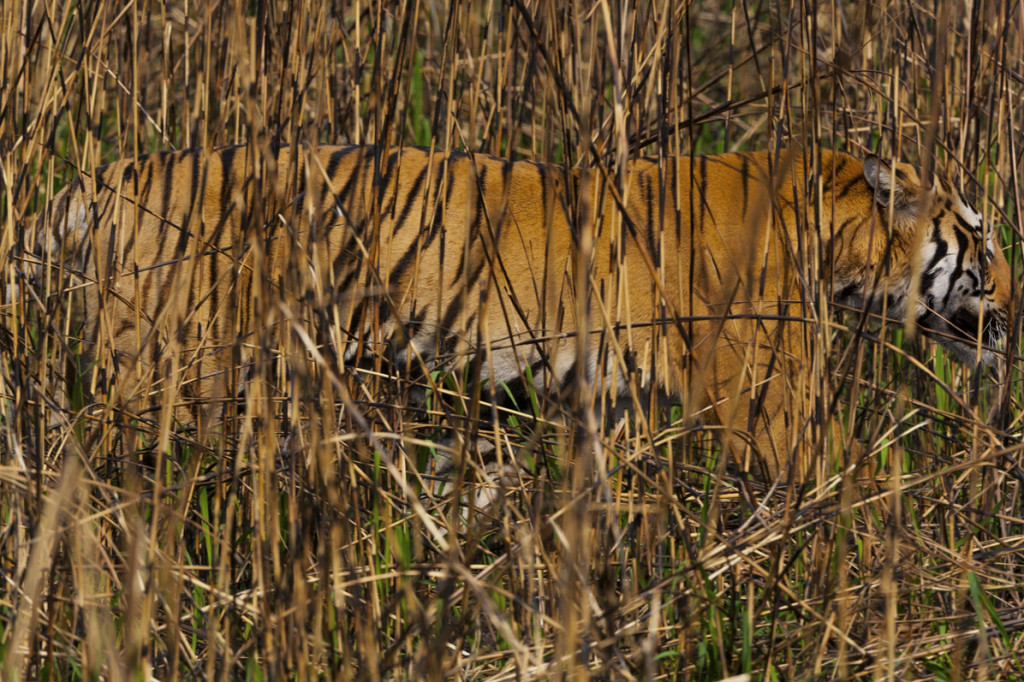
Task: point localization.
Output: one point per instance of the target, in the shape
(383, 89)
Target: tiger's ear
(880, 179)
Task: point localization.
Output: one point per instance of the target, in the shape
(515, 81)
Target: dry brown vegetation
(297, 540)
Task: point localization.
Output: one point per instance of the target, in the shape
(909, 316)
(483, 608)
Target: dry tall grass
(295, 542)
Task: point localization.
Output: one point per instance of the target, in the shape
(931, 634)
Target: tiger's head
(941, 244)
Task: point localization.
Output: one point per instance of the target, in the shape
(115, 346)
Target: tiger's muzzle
(959, 334)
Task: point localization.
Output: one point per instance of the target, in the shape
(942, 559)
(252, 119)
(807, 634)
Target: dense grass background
(295, 542)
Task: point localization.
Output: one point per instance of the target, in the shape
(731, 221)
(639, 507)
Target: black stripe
(501, 216)
(450, 168)
(150, 173)
(565, 381)
(846, 223)
(193, 285)
(227, 157)
(402, 265)
(941, 247)
(333, 162)
(480, 210)
(102, 181)
(466, 247)
(165, 204)
(927, 280)
(828, 176)
(971, 229)
(647, 188)
(59, 216)
(473, 234)
(197, 177)
(451, 312)
(435, 229)
(411, 196)
(227, 163)
(130, 175)
(181, 245)
(975, 282)
(385, 178)
(385, 181)
(545, 201)
(963, 245)
(413, 324)
(506, 174)
(215, 244)
(141, 194)
(562, 195)
(703, 188)
(339, 262)
(300, 188)
(745, 182)
(433, 204)
(475, 275)
(850, 184)
(843, 162)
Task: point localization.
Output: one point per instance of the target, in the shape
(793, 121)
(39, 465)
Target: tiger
(682, 275)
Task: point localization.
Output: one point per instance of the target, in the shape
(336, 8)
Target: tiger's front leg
(776, 412)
